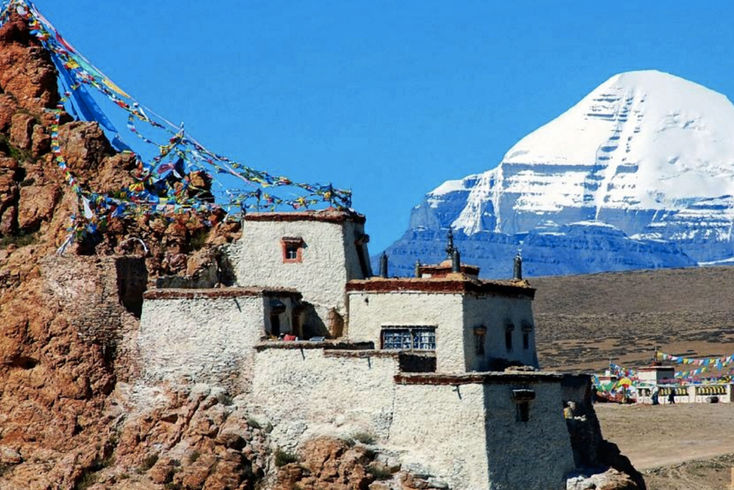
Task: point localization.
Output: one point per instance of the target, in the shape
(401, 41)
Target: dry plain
(583, 321)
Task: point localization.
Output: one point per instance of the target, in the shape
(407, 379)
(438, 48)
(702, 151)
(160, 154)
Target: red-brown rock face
(66, 328)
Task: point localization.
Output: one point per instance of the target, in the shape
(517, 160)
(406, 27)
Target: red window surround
(292, 249)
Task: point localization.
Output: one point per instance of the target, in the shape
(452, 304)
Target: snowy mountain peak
(646, 152)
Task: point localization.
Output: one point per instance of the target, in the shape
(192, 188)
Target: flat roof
(329, 215)
(213, 293)
(455, 283)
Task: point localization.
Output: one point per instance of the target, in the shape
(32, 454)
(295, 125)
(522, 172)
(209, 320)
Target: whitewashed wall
(443, 432)
(494, 312)
(532, 454)
(204, 339)
(304, 392)
(329, 260)
(468, 435)
(368, 312)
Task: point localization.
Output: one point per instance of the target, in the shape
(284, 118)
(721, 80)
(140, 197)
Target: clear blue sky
(388, 98)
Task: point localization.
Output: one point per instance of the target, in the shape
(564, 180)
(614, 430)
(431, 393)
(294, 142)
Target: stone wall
(205, 335)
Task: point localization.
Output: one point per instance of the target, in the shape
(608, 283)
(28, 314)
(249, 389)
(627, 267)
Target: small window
(292, 249)
(409, 338)
(522, 411)
(526, 329)
(480, 334)
(508, 336)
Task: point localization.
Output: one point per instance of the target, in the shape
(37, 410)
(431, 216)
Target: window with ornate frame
(408, 337)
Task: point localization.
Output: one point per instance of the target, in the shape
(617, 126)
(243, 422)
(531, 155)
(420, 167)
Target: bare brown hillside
(584, 320)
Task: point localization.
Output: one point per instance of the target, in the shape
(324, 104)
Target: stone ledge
(306, 344)
(364, 353)
(476, 378)
(177, 293)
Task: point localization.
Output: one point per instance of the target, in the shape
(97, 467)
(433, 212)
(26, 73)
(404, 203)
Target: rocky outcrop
(68, 323)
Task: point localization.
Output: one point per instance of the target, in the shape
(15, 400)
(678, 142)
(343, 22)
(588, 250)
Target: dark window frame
(480, 339)
(413, 337)
(509, 328)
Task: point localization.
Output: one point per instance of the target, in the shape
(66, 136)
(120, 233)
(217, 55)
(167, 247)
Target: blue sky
(388, 98)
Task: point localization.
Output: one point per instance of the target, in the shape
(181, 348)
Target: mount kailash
(638, 174)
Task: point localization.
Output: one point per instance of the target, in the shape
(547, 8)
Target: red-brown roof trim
(178, 293)
(477, 378)
(442, 269)
(327, 216)
(440, 286)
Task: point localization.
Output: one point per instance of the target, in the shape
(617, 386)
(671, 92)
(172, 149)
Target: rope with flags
(162, 185)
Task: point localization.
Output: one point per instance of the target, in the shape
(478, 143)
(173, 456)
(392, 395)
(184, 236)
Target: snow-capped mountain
(638, 174)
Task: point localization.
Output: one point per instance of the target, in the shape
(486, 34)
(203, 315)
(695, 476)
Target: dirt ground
(685, 446)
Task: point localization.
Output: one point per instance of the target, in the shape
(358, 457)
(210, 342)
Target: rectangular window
(292, 249)
(522, 411)
(480, 334)
(409, 338)
(525, 340)
(508, 338)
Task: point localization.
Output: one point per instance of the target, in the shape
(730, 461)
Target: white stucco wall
(494, 312)
(443, 432)
(204, 339)
(468, 435)
(455, 316)
(307, 392)
(532, 454)
(370, 311)
(329, 260)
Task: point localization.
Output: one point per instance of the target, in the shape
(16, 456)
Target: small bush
(364, 438)
(254, 423)
(379, 472)
(283, 458)
(20, 240)
(87, 481)
(148, 463)
(194, 456)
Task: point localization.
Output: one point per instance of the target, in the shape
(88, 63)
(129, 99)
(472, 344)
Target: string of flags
(704, 364)
(163, 185)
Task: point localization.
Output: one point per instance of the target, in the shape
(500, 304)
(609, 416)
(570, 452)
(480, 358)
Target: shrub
(379, 472)
(364, 438)
(283, 458)
(148, 463)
